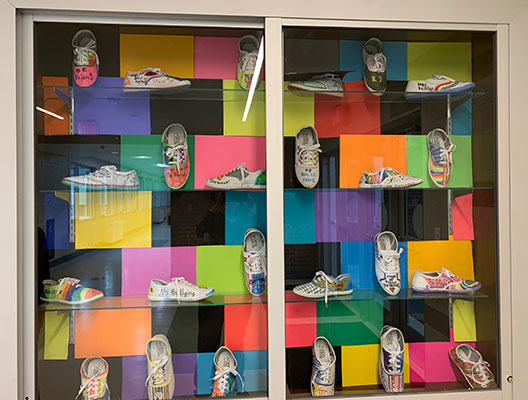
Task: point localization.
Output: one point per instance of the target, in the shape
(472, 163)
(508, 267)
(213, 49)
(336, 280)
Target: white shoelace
(105, 171)
(180, 283)
(393, 362)
(391, 259)
(255, 263)
(222, 374)
(309, 152)
(481, 368)
(444, 154)
(324, 373)
(94, 380)
(321, 274)
(249, 61)
(159, 366)
(177, 152)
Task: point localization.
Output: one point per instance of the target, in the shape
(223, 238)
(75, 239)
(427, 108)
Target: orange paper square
(369, 153)
(246, 327)
(53, 103)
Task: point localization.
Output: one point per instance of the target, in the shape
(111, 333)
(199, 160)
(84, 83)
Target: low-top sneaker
(436, 84)
(326, 84)
(392, 348)
(175, 155)
(323, 368)
(254, 252)
(387, 178)
(307, 149)
(248, 48)
(177, 289)
(442, 281)
(160, 379)
(225, 373)
(387, 262)
(106, 177)
(473, 367)
(239, 178)
(68, 291)
(324, 285)
(153, 78)
(440, 150)
(375, 75)
(85, 59)
(94, 376)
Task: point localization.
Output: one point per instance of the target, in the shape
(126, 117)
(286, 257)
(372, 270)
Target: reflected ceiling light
(49, 113)
(254, 79)
(142, 157)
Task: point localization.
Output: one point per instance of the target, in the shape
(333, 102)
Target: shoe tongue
(109, 167)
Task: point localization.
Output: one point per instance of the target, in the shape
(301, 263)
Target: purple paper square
(347, 215)
(103, 111)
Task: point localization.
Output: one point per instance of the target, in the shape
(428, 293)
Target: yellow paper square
(235, 100)
(429, 256)
(360, 365)
(452, 59)
(174, 54)
(464, 328)
(109, 219)
(56, 335)
(298, 110)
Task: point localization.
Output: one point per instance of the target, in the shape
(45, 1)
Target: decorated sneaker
(476, 371)
(375, 75)
(239, 178)
(392, 347)
(68, 291)
(440, 157)
(85, 59)
(323, 369)
(160, 380)
(387, 178)
(387, 262)
(225, 373)
(326, 84)
(153, 78)
(307, 156)
(254, 252)
(248, 48)
(434, 85)
(323, 285)
(107, 177)
(442, 281)
(94, 375)
(177, 289)
(175, 155)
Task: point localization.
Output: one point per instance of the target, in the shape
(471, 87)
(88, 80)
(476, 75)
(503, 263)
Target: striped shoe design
(68, 291)
(440, 162)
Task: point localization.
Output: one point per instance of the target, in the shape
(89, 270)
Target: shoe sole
(95, 188)
(319, 296)
(151, 298)
(420, 95)
(382, 186)
(212, 185)
(334, 93)
(73, 303)
(452, 291)
(146, 88)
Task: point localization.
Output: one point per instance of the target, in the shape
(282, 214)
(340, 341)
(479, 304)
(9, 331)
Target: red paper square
(246, 327)
(301, 324)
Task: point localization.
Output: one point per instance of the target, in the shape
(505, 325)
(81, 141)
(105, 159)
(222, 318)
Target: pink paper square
(216, 155)
(140, 266)
(462, 211)
(215, 58)
(301, 324)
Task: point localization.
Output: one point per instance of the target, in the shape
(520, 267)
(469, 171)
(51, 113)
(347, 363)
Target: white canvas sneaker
(387, 178)
(323, 368)
(248, 48)
(160, 380)
(307, 149)
(327, 84)
(434, 85)
(177, 289)
(239, 178)
(107, 177)
(392, 348)
(324, 285)
(387, 262)
(153, 78)
(254, 252)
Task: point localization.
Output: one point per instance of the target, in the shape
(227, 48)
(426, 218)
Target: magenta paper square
(140, 266)
(215, 58)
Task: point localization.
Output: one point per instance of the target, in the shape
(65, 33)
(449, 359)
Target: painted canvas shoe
(239, 178)
(225, 373)
(175, 156)
(68, 291)
(387, 178)
(470, 362)
(85, 59)
(177, 289)
(160, 380)
(436, 84)
(442, 281)
(440, 158)
(248, 48)
(307, 156)
(254, 252)
(329, 84)
(375, 75)
(392, 347)
(106, 177)
(387, 262)
(324, 285)
(153, 78)
(94, 376)
(323, 368)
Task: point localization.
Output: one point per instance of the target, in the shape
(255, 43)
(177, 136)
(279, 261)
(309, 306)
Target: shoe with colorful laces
(175, 156)
(470, 362)
(94, 376)
(153, 78)
(329, 84)
(68, 291)
(323, 368)
(105, 178)
(387, 178)
(440, 157)
(225, 373)
(160, 380)
(392, 347)
(307, 149)
(436, 84)
(442, 281)
(248, 48)
(324, 285)
(85, 59)
(177, 289)
(239, 178)
(254, 252)
(387, 262)
(375, 75)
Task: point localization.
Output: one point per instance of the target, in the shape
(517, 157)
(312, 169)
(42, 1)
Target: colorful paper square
(246, 326)
(301, 324)
(299, 110)
(57, 222)
(299, 217)
(221, 268)
(235, 99)
(461, 123)
(244, 210)
(53, 103)
(462, 217)
(56, 335)
(215, 57)
(464, 327)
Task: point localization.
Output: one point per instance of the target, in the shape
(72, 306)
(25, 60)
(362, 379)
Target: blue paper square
(299, 216)
(243, 210)
(461, 122)
(57, 222)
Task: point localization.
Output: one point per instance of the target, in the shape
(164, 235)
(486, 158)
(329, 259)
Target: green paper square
(418, 159)
(350, 323)
(221, 268)
(235, 100)
(144, 153)
(298, 110)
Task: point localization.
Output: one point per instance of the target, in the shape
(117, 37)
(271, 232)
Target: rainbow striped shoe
(225, 373)
(436, 84)
(68, 291)
(442, 281)
(160, 380)
(440, 158)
